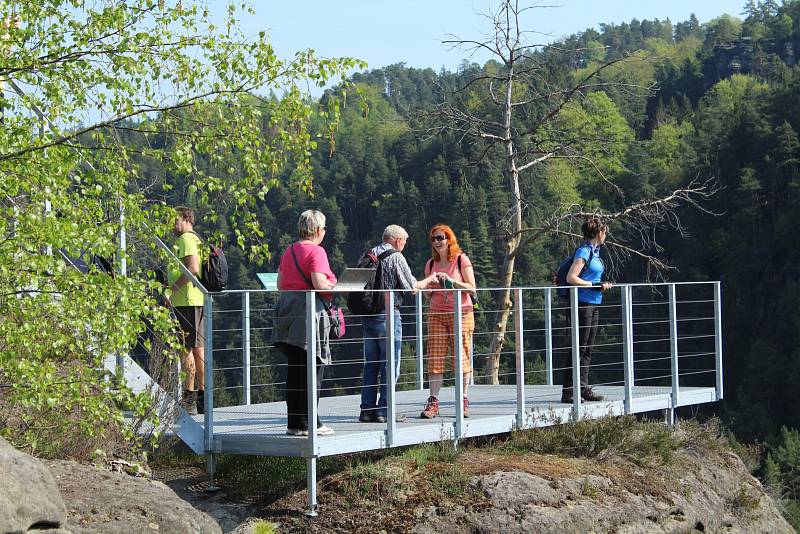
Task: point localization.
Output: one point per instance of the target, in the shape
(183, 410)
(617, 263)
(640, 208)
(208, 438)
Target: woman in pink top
(304, 266)
(453, 270)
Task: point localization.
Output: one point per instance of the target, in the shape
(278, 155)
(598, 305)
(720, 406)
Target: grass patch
(421, 455)
(609, 437)
(587, 489)
(743, 503)
(449, 481)
(262, 527)
(372, 481)
(258, 475)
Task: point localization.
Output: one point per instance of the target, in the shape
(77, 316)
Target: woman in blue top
(586, 272)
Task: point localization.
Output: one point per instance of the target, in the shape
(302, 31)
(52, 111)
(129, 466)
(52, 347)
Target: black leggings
(296, 389)
(588, 319)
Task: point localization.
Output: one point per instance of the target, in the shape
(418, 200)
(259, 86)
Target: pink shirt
(311, 258)
(443, 300)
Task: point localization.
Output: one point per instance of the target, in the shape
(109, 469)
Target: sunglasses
(438, 238)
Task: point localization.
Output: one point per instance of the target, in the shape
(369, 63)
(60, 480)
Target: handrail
(192, 278)
(427, 290)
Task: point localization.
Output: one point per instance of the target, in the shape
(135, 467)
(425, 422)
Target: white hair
(309, 223)
(394, 231)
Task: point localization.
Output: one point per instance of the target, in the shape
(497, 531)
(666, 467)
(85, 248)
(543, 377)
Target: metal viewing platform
(659, 347)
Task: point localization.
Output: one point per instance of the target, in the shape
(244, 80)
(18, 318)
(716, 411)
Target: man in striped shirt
(395, 274)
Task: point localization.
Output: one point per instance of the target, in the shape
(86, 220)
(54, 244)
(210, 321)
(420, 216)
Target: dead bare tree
(523, 125)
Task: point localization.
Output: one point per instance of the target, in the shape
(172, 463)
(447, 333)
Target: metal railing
(658, 346)
(638, 345)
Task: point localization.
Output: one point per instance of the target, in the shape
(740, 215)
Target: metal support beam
(390, 370)
(311, 374)
(459, 370)
(548, 335)
(246, 347)
(576, 350)
(311, 385)
(520, 356)
(208, 310)
(627, 346)
(420, 349)
(673, 345)
(311, 483)
(718, 337)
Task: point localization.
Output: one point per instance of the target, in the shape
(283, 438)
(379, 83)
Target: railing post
(420, 349)
(246, 346)
(208, 364)
(311, 364)
(627, 346)
(311, 482)
(576, 349)
(548, 335)
(673, 346)
(718, 337)
(123, 271)
(390, 370)
(311, 386)
(520, 353)
(459, 367)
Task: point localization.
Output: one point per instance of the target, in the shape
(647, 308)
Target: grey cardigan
(289, 324)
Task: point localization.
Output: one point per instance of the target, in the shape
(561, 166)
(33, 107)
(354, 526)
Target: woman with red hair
(453, 270)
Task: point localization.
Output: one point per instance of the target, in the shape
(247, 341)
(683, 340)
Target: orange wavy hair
(453, 249)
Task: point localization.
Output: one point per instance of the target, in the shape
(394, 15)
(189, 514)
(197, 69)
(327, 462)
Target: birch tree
(77, 75)
(530, 125)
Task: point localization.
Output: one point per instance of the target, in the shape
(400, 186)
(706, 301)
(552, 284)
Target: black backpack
(560, 276)
(213, 268)
(369, 302)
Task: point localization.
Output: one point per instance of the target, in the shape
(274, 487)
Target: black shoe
(566, 399)
(368, 416)
(201, 401)
(379, 418)
(590, 396)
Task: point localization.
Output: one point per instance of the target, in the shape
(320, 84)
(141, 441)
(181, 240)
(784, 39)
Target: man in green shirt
(187, 301)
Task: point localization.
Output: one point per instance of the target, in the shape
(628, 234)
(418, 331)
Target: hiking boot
(589, 395)
(367, 416)
(189, 402)
(466, 407)
(431, 408)
(201, 401)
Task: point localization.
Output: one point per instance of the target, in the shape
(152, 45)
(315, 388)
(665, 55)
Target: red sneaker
(431, 408)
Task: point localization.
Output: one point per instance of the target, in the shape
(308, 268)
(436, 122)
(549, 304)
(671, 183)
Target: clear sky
(384, 32)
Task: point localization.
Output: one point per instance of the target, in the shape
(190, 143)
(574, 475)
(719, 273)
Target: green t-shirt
(187, 295)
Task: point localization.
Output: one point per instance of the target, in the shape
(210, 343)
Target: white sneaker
(325, 430)
(296, 432)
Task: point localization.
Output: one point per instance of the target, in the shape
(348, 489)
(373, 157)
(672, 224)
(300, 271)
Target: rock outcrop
(101, 501)
(29, 498)
(703, 497)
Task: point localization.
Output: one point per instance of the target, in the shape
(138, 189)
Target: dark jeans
(588, 319)
(296, 390)
(375, 362)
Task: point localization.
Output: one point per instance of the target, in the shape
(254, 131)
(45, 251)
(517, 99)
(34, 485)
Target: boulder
(101, 501)
(29, 498)
(711, 494)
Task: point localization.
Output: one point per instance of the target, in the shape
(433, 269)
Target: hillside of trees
(717, 101)
(724, 104)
